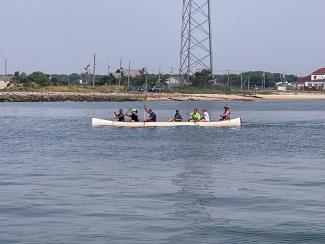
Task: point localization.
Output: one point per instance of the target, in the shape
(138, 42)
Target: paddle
(128, 112)
(144, 114)
(117, 115)
(192, 118)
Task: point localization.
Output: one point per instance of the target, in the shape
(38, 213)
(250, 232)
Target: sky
(60, 36)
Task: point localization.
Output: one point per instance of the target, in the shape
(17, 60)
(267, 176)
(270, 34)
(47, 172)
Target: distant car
(158, 89)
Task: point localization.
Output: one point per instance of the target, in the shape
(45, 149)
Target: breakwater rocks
(67, 96)
(116, 97)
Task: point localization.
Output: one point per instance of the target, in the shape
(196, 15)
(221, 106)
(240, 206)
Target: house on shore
(315, 80)
(175, 81)
(132, 73)
(4, 82)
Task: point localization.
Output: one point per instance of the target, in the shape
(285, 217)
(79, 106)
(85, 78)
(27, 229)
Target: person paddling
(226, 113)
(205, 116)
(120, 116)
(152, 116)
(177, 117)
(134, 115)
(195, 116)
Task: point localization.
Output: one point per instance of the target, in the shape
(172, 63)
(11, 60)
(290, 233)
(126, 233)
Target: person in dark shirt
(120, 116)
(134, 115)
(152, 116)
(177, 117)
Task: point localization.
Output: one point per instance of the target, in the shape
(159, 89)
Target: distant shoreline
(121, 97)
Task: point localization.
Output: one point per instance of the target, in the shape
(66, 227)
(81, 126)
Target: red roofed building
(315, 80)
(318, 75)
(304, 81)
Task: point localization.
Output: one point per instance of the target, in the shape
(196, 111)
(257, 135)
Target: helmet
(134, 110)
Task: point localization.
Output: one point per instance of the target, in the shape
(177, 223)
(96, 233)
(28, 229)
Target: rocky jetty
(67, 96)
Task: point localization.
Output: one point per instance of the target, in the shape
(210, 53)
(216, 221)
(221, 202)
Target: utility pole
(171, 74)
(87, 74)
(249, 82)
(228, 79)
(5, 63)
(129, 73)
(120, 77)
(146, 86)
(241, 81)
(94, 70)
(159, 75)
(108, 67)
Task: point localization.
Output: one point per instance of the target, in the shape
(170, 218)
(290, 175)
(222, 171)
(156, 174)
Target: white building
(3, 82)
(175, 81)
(133, 73)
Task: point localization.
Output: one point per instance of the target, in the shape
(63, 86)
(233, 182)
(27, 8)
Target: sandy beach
(222, 97)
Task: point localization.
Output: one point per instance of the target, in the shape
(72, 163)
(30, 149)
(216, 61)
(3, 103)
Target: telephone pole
(241, 81)
(129, 74)
(94, 70)
(108, 68)
(120, 77)
(196, 38)
(5, 63)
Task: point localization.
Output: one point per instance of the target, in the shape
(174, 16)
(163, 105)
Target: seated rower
(205, 116)
(152, 116)
(195, 116)
(134, 115)
(177, 117)
(226, 114)
(120, 116)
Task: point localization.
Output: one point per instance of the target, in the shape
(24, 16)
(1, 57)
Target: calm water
(62, 181)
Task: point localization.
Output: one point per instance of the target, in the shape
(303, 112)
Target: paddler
(226, 113)
(120, 116)
(134, 115)
(152, 116)
(205, 116)
(177, 117)
(195, 116)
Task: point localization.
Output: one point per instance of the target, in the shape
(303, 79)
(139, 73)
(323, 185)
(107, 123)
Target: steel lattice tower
(196, 43)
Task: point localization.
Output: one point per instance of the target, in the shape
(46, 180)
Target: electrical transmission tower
(196, 44)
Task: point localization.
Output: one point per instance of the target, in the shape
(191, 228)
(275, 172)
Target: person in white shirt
(205, 116)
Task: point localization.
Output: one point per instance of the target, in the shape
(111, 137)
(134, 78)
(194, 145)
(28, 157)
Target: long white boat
(227, 123)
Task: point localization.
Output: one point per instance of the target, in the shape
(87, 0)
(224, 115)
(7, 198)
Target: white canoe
(227, 123)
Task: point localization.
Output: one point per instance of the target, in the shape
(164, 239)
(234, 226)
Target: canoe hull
(227, 123)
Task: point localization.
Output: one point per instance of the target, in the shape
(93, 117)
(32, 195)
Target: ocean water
(63, 181)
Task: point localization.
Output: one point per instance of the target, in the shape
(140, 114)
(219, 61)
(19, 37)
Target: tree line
(202, 79)
(244, 80)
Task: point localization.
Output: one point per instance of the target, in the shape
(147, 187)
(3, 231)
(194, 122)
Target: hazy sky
(60, 36)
